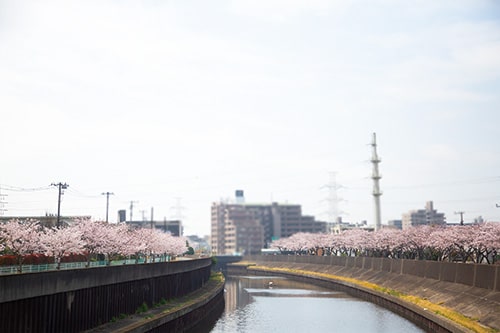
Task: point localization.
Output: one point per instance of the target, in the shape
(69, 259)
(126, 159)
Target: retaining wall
(474, 275)
(469, 289)
(76, 300)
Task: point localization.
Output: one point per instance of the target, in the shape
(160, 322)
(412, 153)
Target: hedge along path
(469, 323)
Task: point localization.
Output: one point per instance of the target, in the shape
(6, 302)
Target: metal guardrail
(70, 265)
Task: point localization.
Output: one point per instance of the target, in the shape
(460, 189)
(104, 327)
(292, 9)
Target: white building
(427, 216)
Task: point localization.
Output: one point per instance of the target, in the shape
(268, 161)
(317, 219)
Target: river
(275, 305)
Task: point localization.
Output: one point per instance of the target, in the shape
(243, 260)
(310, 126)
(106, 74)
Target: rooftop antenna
(376, 186)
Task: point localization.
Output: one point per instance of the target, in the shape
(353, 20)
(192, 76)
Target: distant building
(478, 220)
(174, 227)
(427, 216)
(242, 228)
(200, 245)
(396, 224)
(47, 220)
(341, 226)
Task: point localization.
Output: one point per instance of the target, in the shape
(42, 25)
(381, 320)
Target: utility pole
(152, 223)
(376, 186)
(61, 187)
(461, 217)
(132, 208)
(107, 194)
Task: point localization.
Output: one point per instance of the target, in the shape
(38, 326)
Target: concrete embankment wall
(199, 309)
(474, 275)
(77, 300)
(470, 289)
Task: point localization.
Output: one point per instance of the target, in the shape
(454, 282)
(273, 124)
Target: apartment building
(427, 216)
(241, 228)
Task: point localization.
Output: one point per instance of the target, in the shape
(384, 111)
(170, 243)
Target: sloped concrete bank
(176, 316)
(480, 304)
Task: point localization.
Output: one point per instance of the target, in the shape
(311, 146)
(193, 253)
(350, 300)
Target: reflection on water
(254, 304)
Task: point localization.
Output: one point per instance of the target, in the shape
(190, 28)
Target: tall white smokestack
(376, 186)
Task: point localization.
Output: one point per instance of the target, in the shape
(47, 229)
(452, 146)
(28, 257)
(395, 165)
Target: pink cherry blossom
(20, 238)
(58, 242)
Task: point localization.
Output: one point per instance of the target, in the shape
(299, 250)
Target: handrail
(14, 269)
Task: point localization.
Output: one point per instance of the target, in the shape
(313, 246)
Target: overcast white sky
(180, 103)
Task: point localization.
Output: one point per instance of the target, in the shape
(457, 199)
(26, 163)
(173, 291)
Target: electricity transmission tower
(178, 209)
(333, 200)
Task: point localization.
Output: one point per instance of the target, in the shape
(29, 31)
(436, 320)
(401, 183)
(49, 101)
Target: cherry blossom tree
(114, 241)
(91, 233)
(20, 239)
(486, 242)
(139, 241)
(91, 238)
(164, 244)
(478, 243)
(58, 242)
(154, 245)
(175, 246)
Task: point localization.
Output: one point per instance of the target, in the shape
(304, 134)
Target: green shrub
(143, 308)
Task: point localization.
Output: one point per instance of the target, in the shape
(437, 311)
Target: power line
(78, 193)
(22, 189)
(476, 181)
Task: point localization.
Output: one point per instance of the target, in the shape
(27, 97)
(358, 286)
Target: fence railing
(14, 269)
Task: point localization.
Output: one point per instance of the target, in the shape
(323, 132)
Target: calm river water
(253, 305)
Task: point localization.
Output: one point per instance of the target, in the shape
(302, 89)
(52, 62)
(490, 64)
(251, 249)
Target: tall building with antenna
(376, 183)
